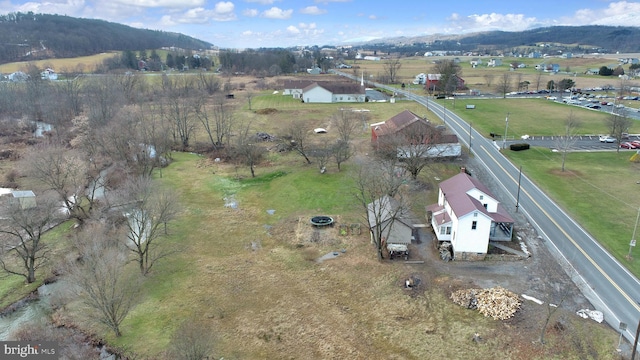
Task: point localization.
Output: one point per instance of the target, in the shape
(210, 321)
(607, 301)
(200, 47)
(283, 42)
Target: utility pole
(632, 243)
(506, 127)
(470, 130)
(518, 196)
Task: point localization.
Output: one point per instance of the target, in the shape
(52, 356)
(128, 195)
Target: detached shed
(397, 228)
(26, 198)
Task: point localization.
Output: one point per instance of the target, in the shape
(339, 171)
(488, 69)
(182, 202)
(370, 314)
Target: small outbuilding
(26, 198)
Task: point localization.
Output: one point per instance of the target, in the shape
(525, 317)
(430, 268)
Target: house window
(474, 225)
(481, 197)
(485, 205)
(443, 230)
(448, 230)
(475, 214)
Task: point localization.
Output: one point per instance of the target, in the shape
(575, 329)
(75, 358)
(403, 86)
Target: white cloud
(293, 30)
(250, 12)
(223, 11)
(493, 21)
(312, 10)
(161, 3)
(263, 2)
(621, 13)
(372, 17)
(277, 13)
(307, 26)
(331, 1)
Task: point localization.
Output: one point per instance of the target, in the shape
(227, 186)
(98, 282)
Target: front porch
(501, 231)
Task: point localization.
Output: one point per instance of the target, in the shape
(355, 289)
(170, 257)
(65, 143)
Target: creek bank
(32, 315)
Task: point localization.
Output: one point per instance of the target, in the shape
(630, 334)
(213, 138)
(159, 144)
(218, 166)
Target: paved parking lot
(584, 143)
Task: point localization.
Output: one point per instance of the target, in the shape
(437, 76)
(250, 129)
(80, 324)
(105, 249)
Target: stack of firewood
(497, 302)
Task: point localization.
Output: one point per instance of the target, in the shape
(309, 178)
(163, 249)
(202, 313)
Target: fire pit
(321, 220)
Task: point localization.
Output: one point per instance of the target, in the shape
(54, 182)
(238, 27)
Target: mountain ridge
(29, 36)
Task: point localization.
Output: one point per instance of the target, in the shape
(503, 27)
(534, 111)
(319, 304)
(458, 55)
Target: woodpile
(497, 302)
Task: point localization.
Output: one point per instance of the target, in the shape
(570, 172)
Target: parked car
(636, 143)
(607, 139)
(627, 145)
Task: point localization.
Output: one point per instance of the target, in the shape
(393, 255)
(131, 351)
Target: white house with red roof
(468, 216)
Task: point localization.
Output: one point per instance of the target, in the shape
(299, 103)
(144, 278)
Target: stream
(34, 310)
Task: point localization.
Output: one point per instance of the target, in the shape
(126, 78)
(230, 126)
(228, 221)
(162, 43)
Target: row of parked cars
(635, 144)
(630, 145)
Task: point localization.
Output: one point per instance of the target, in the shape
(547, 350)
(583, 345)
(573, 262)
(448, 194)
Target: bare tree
(250, 96)
(178, 111)
(100, 278)
(488, 78)
(177, 107)
(64, 171)
(377, 190)
(208, 83)
(341, 152)
(104, 99)
(345, 122)
(248, 151)
(148, 210)
(391, 68)
(449, 72)
(538, 80)
(218, 121)
(416, 147)
(321, 154)
(504, 85)
(565, 143)
(618, 123)
(298, 134)
(22, 250)
(193, 340)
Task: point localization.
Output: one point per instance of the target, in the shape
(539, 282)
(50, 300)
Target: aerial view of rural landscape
(319, 179)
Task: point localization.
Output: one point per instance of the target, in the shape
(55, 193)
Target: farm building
(410, 135)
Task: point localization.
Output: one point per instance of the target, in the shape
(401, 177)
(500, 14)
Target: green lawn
(539, 117)
(600, 190)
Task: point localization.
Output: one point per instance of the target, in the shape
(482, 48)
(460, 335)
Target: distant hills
(592, 38)
(29, 36)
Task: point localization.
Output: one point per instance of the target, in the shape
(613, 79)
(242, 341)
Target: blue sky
(282, 23)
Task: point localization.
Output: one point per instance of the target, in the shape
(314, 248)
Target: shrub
(518, 147)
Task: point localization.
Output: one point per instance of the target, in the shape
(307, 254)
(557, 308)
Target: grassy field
(600, 190)
(537, 117)
(275, 300)
(84, 63)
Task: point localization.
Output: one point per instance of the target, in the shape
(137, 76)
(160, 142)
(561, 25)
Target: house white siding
(491, 203)
(469, 240)
(318, 95)
(347, 98)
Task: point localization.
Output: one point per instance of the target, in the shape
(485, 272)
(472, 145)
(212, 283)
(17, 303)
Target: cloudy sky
(281, 23)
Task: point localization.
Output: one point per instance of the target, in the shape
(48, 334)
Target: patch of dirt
(566, 173)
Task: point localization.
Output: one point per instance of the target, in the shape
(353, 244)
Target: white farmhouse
(326, 92)
(468, 216)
